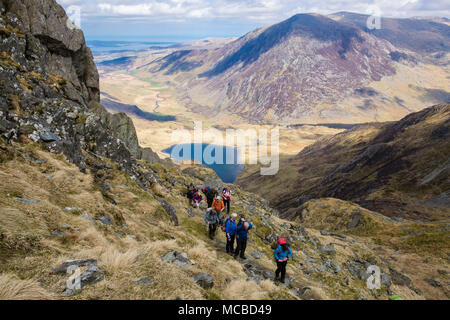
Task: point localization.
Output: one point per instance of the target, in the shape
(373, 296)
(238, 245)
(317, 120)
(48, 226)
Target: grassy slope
(28, 249)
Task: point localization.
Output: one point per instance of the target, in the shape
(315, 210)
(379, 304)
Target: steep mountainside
(314, 69)
(400, 169)
(423, 36)
(125, 222)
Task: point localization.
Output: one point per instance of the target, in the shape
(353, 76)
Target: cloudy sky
(189, 19)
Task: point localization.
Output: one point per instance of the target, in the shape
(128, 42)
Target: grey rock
(357, 220)
(356, 268)
(48, 136)
(433, 283)
(399, 278)
(190, 213)
(27, 201)
(256, 254)
(180, 260)
(145, 281)
(106, 220)
(58, 233)
(91, 276)
(386, 280)
(78, 263)
(443, 272)
(170, 210)
(269, 275)
(332, 266)
(89, 218)
(329, 249)
(204, 280)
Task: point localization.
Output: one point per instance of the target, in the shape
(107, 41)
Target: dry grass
(147, 237)
(245, 290)
(12, 288)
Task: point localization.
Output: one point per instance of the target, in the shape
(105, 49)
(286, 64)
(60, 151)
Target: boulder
(399, 278)
(106, 220)
(386, 280)
(78, 263)
(179, 259)
(145, 281)
(433, 283)
(328, 250)
(48, 136)
(170, 210)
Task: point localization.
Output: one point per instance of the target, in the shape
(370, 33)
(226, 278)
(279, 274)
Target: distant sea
(102, 47)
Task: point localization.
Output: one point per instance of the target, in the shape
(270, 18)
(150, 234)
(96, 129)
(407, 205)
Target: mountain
(422, 36)
(316, 69)
(399, 169)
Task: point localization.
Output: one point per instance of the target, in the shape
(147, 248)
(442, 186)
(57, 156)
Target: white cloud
(200, 9)
(122, 14)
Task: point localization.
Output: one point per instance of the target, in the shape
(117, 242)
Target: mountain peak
(312, 26)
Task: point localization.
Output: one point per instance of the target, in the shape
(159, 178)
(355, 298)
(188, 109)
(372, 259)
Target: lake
(212, 156)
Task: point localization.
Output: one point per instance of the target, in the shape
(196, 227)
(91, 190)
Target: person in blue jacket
(241, 237)
(212, 219)
(230, 230)
(282, 254)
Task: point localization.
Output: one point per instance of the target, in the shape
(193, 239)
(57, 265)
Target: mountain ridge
(78, 191)
(310, 68)
(397, 168)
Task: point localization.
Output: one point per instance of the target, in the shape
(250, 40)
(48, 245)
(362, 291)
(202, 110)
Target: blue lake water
(212, 156)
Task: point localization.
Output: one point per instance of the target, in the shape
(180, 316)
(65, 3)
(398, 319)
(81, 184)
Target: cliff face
(49, 88)
(49, 46)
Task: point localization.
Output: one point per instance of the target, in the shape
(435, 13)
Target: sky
(183, 20)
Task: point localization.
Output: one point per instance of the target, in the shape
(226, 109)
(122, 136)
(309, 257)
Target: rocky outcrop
(49, 90)
(52, 47)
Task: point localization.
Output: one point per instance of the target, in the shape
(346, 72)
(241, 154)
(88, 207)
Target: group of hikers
(236, 230)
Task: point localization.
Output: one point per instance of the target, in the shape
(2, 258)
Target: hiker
(190, 193)
(281, 254)
(218, 207)
(210, 194)
(241, 237)
(212, 220)
(197, 198)
(230, 230)
(226, 195)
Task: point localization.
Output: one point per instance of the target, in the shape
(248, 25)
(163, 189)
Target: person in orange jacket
(218, 206)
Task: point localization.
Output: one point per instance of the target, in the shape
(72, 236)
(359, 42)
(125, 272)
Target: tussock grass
(246, 290)
(146, 234)
(12, 288)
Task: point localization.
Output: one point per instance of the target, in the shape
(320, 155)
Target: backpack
(223, 224)
(216, 203)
